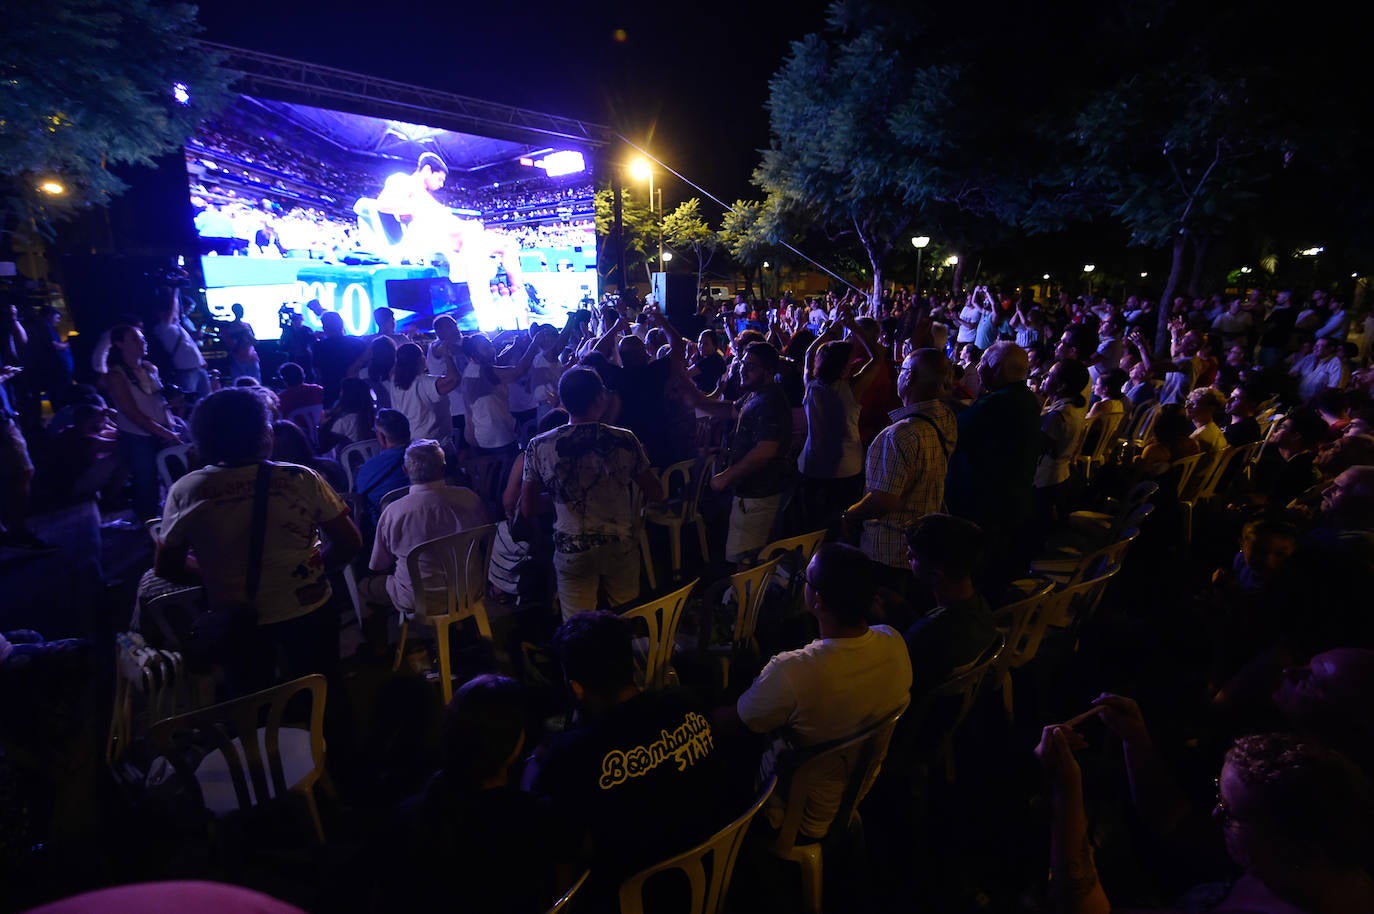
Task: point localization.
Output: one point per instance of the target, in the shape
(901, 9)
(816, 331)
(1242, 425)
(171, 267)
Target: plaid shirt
(908, 460)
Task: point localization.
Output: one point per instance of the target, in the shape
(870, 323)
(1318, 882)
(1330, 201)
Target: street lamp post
(919, 242)
(642, 170)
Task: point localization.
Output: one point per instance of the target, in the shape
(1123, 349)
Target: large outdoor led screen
(296, 205)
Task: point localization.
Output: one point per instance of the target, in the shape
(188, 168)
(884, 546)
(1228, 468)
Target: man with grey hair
(992, 471)
(430, 510)
(906, 467)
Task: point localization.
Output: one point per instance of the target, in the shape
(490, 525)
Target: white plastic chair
(354, 455)
(173, 463)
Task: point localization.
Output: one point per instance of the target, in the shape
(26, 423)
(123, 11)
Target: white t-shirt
(828, 690)
(488, 409)
(211, 511)
(424, 406)
(438, 367)
(971, 313)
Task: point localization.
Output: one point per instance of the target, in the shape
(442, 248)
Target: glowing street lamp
(1088, 270)
(667, 256)
(52, 188)
(641, 170)
(919, 243)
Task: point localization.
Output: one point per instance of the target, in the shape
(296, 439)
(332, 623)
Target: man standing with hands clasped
(760, 471)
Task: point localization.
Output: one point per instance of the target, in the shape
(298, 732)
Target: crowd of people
(938, 445)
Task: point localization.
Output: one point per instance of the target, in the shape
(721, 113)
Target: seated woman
(351, 418)
(289, 445)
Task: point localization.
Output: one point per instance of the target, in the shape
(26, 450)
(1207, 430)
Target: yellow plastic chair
(750, 588)
(449, 578)
(719, 852)
(1206, 481)
(861, 756)
(965, 685)
(684, 482)
(256, 758)
(1071, 569)
(1012, 621)
(1108, 429)
(566, 898)
(796, 552)
(1188, 472)
(662, 617)
(1026, 623)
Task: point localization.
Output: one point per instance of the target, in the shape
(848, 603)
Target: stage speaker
(676, 294)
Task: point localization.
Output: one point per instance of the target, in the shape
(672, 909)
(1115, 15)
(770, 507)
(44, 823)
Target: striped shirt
(908, 459)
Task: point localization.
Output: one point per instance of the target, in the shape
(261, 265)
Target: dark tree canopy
(88, 85)
(981, 122)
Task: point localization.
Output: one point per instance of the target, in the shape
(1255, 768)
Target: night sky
(688, 81)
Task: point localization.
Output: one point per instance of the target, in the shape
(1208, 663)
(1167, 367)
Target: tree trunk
(1200, 247)
(1166, 299)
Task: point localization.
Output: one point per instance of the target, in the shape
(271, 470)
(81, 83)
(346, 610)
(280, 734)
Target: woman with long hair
(832, 457)
(491, 426)
(145, 424)
(351, 418)
(420, 397)
(381, 359)
(289, 445)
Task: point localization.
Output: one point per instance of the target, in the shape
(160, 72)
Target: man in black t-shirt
(761, 470)
(639, 779)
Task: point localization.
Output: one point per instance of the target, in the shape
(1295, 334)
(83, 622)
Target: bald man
(906, 466)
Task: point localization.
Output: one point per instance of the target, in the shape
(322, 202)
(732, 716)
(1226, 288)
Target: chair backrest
(1227, 469)
(393, 495)
(173, 463)
(234, 727)
(1091, 564)
(1109, 431)
(565, 900)
(354, 455)
(1014, 618)
(1065, 608)
(448, 575)
(965, 681)
(309, 418)
(859, 756)
(805, 544)
(662, 617)
(796, 553)
(751, 587)
(1190, 469)
(719, 852)
(1144, 423)
(678, 489)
